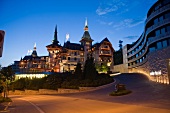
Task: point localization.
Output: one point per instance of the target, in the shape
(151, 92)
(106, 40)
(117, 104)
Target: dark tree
(118, 57)
(78, 72)
(6, 75)
(89, 69)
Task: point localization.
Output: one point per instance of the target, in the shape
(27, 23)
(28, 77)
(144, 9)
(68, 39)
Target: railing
(157, 12)
(138, 49)
(139, 64)
(160, 37)
(141, 38)
(104, 54)
(155, 26)
(140, 56)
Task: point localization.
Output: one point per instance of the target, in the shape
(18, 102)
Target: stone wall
(121, 68)
(48, 91)
(156, 61)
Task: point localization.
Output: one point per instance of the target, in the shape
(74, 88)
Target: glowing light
(67, 37)
(156, 72)
(30, 76)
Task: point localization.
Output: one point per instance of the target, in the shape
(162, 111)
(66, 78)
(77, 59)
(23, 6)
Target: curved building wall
(150, 53)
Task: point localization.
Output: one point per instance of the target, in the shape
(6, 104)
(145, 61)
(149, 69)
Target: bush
(2, 99)
(120, 93)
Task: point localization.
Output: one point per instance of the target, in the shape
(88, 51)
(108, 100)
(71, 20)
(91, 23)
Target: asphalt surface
(146, 97)
(144, 92)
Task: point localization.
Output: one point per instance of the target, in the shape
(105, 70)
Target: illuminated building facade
(65, 58)
(31, 63)
(150, 54)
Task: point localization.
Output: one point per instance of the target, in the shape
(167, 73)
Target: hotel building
(150, 54)
(65, 58)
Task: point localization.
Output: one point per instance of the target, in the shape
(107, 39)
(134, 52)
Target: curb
(5, 105)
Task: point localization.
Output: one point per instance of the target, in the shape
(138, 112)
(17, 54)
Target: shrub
(120, 93)
(7, 99)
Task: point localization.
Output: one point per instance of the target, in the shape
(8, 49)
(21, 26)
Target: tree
(89, 69)
(78, 71)
(6, 75)
(103, 68)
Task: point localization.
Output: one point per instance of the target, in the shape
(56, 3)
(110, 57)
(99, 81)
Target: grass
(2, 99)
(120, 93)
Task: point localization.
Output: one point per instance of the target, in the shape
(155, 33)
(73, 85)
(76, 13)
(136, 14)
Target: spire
(34, 53)
(86, 22)
(55, 41)
(35, 47)
(86, 26)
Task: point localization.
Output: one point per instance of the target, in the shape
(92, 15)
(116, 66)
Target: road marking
(41, 111)
(7, 106)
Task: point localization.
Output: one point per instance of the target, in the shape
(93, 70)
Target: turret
(55, 41)
(86, 41)
(34, 53)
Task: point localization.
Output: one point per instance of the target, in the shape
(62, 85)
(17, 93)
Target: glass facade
(154, 38)
(159, 45)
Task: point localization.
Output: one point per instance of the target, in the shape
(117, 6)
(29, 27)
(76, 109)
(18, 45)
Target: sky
(27, 22)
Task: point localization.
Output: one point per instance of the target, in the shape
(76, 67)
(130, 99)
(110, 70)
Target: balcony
(105, 54)
(140, 56)
(138, 64)
(157, 12)
(137, 44)
(105, 48)
(159, 24)
(138, 49)
(160, 37)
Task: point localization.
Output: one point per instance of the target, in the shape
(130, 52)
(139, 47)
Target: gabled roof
(54, 45)
(97, 45)
(73, 46)
(30, 57)
(105, 39)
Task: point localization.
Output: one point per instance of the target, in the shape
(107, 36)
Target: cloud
(110, 6)
(105, 23)
(131, 37)
(128, 23)
(101, 11)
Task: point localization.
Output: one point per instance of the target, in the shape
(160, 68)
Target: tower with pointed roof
(34, 53)
(55, 41)
(54, 49)
(86, 41)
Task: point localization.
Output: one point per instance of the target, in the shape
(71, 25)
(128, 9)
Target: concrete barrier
(86, 88)
(60, 90)
(47, 91)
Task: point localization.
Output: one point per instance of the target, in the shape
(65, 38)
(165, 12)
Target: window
(75, 58)
(75, 53)
(159, 45)
(167, 15)
(161, 18)
(105, 46)
(163, 31)
(164, 43)
(68, 58)
(168, 29)
(157, 32)
(140, 60)
(156, 21)
(151, 49)
(137, 55)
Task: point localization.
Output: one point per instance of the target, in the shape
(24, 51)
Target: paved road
(147, 97)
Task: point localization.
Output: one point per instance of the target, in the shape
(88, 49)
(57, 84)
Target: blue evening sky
(33, 21)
